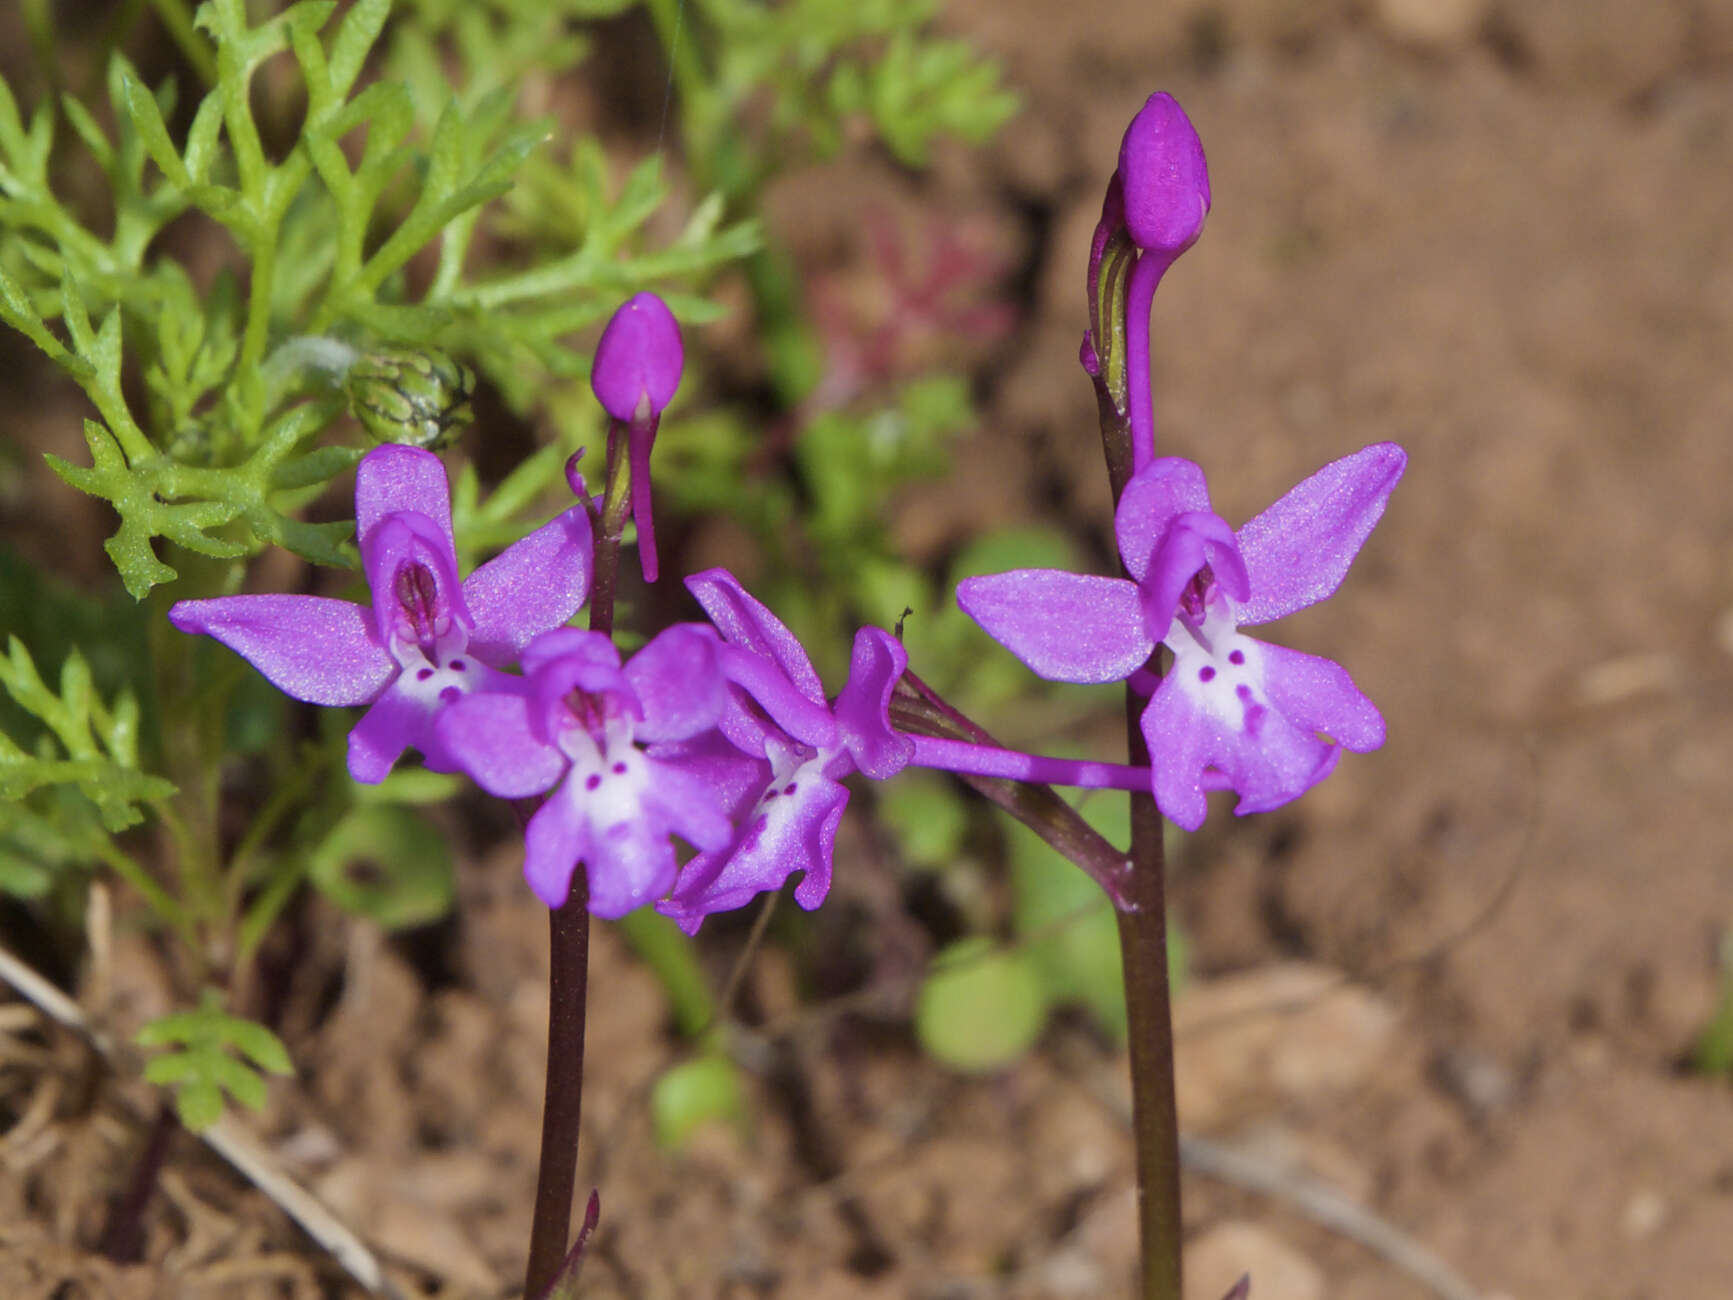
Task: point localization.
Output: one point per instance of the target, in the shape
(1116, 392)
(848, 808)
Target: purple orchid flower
(1232, 713)
(789, 810)
(615, 734)
(636, 371)
(428, 639)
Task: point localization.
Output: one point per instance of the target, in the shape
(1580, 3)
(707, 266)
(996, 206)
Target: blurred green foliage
(1713, 1054)
(984, 1003)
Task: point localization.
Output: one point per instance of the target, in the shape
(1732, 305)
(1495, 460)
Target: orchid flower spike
(638, 363)
(427, 640)
(788, 805)
(1232, 712)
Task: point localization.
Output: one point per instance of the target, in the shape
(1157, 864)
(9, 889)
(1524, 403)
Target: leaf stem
(177, 20)
(161, 901)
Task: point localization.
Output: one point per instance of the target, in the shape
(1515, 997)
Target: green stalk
(177, 20)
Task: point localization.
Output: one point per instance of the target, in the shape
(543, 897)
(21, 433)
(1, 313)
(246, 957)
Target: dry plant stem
(1149, 1015)
(569, 956)
(123, 1234)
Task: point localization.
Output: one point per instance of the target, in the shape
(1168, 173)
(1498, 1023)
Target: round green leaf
(980, 1009)
(386, 863)
(693, 1094)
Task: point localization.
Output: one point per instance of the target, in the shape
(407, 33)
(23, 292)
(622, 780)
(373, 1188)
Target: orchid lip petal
(791, 830)
(391, 725)
(1235, 713)
(555, 841)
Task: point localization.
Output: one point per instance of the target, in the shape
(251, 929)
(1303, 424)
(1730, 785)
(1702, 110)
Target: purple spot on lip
(619, 769)
(450, 695)
(457, 665)
(591, 782)
(1243, 691)
(769, 794)
(423, 674)
(1206, 673)
(1236, 656)
(790, 788)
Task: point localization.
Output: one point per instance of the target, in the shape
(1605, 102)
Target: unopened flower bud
(638, 360)
(417, 396)
(1165, 177)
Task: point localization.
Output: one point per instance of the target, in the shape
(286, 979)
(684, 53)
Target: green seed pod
(417, 396)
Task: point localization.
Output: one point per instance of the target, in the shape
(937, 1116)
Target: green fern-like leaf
(211, 1053)
(90, 745)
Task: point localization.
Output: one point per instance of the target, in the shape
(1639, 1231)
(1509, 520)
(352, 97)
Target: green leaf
(20, 876)
(387, 863)
(1067, 923)
(1713, 1054)
(146, 117)
(202, 1063)
(705, 1090)
(979, 1008)
(99, 743)
(199, 1105)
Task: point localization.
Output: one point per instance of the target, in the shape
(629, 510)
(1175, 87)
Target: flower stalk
(917, 709)
(569, 951)
(1149, 1024)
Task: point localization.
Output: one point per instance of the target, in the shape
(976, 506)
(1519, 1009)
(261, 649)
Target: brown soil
(1497, 232)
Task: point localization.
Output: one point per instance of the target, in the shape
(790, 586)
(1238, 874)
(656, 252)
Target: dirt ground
(1498, 233)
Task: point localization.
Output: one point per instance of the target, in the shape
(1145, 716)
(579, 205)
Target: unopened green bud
(416, 396)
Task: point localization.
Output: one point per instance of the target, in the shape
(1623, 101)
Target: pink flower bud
(1165, 177)
(638, 360)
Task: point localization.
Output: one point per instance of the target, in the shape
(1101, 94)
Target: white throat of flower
(1219, 668)
(610, 774)
(429, 643)
(795, 770)
(440, 674)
